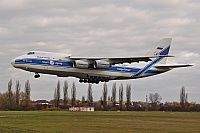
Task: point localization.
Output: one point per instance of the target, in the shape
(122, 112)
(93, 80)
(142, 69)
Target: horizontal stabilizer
(172, 66)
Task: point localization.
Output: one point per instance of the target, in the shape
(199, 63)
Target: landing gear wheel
(80, 80)
(36, 75)
(97, 82)
(106, 80)
(85, 81)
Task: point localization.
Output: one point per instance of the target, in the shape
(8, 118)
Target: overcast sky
(102, 28)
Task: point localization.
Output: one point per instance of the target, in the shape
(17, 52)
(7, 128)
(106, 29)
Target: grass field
(97, 122)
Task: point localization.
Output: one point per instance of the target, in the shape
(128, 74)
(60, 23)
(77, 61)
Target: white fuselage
(94, 70)
(62, 66)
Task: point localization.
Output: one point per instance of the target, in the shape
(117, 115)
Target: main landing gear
(36, 75)
(93, 80)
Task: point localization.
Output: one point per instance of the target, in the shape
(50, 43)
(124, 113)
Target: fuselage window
(31, 53)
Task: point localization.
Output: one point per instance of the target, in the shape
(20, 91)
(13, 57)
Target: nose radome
(13, 62)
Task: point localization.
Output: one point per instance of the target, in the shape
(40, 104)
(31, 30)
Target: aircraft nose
(13, 62)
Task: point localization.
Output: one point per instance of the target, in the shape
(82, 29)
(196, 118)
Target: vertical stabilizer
(161, 48)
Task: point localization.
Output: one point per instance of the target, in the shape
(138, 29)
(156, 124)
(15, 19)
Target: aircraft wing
(120, 60)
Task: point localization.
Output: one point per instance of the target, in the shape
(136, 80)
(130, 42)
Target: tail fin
(161, 48)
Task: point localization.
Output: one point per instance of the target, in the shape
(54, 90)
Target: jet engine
(81, 64)
(101, 64)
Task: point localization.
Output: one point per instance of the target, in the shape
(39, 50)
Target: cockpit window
(30, 53)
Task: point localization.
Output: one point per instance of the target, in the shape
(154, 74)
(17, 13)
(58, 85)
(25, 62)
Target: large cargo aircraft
(95, 70)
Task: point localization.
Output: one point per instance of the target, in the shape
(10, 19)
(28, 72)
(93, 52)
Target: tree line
(20, 100)
(16, 100)
(102, 104)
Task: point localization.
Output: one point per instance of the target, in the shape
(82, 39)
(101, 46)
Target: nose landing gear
(36, 75)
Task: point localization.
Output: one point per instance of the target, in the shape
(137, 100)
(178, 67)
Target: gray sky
(102, 28)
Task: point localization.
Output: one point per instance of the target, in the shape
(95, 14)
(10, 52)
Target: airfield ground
(98, 122)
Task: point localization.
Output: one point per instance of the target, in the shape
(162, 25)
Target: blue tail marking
(147, 67)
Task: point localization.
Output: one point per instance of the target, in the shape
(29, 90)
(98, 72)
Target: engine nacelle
(101, 64)
(81, 64)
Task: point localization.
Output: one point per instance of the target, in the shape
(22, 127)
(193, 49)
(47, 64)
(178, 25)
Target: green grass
(98, 122)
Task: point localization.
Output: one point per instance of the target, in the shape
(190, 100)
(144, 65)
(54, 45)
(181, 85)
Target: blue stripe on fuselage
(130, 70)
(69, 64)
(45, 62)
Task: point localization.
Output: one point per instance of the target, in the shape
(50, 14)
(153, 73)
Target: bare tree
(114, 94)
(17, 91)
(10, 94)
(27, 93)
(101, 100)
(128, 96)
(58, 94)
(65, 89)
(83, 100)
(154, 99)
(90, 98)
(120, 96)
(183, 98)
(3, 101)
(109, 98)
(73, 92)
(55, 97)
(105, 93)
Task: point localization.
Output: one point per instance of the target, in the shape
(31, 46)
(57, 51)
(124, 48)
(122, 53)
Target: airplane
(95, 70)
